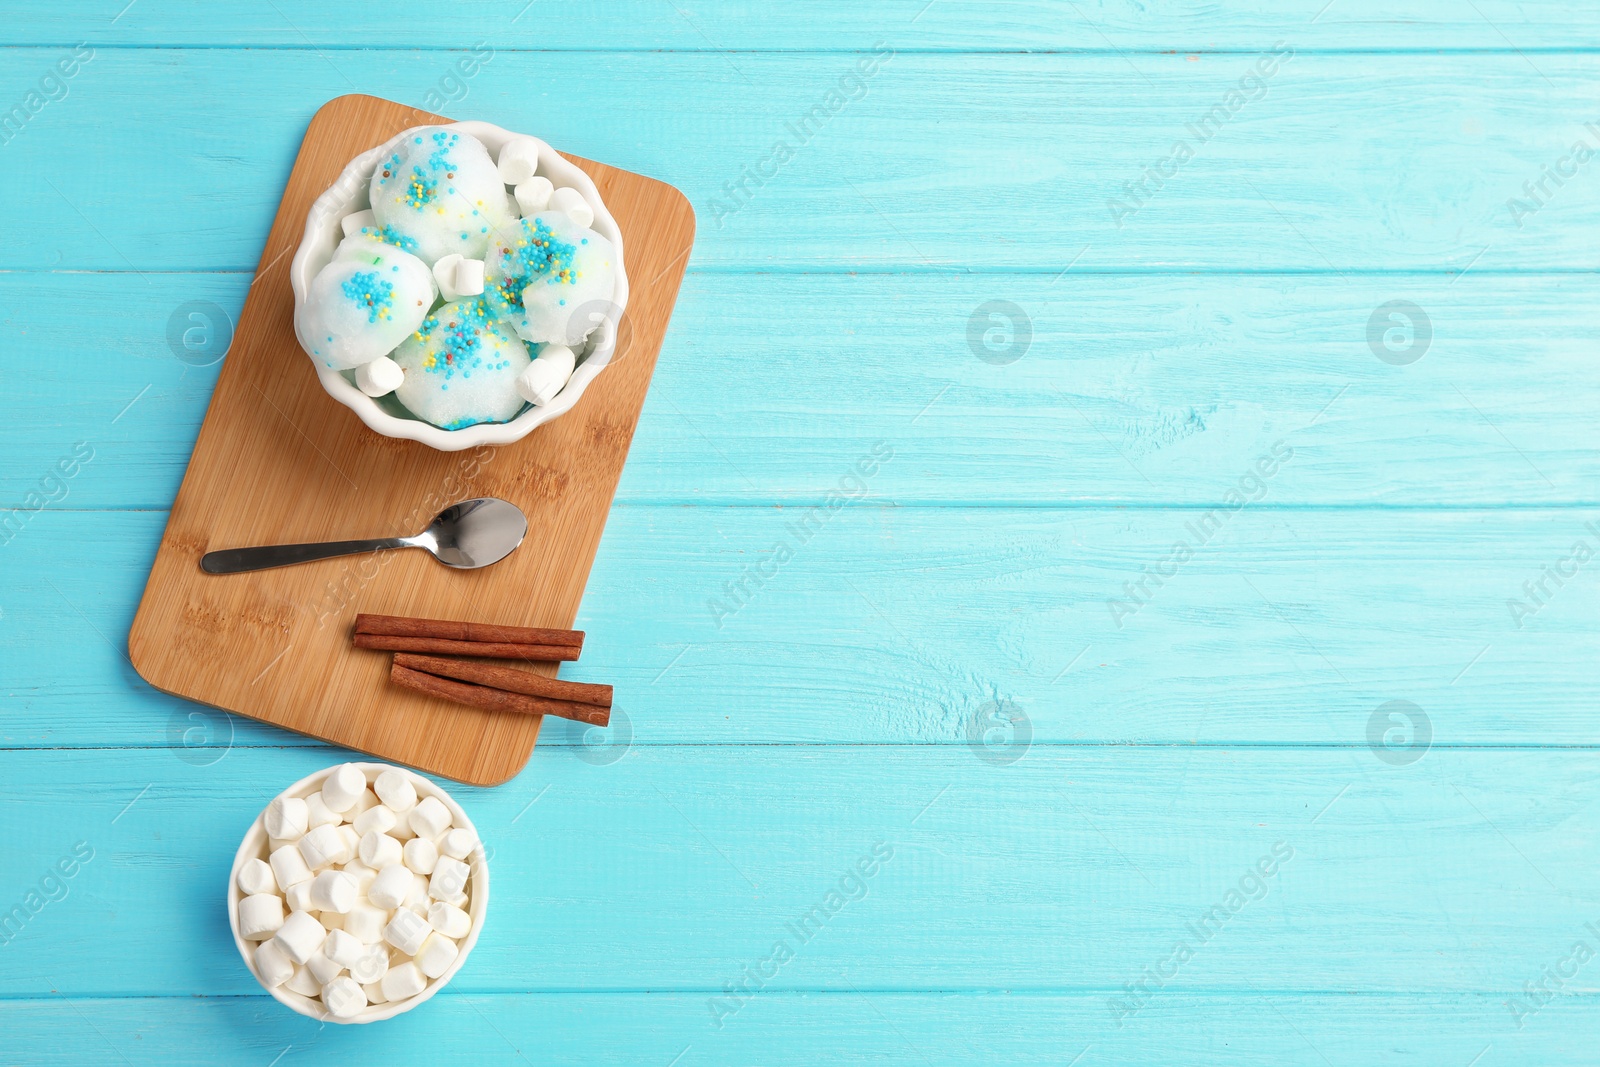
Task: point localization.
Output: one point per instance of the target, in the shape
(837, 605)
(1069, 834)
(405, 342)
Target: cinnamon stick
(454, 630)
(491, 699)
(493, 674)
(532, 653)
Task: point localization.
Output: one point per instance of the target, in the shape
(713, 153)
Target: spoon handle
(234, 560)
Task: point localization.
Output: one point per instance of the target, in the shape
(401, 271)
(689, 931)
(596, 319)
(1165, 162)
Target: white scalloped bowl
(254, 847)
(385, 415)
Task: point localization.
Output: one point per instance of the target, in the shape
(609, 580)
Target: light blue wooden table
(1204, 671)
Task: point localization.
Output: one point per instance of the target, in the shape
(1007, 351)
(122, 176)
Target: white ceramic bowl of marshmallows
(459, 285)
(358, 893)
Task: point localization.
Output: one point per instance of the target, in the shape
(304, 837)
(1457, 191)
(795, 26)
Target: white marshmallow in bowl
(260, 916)
(368, 298)
(343, 787)
(273, 965)
(395, 790)
(390, 889)
(440, 189)
(533, 195)
(546, 274)
(257, 877)
(289, 866)
(344, 998)
(542, 379)
(286, 818)
(571, 202)
(519, 159)
(380, 377)
(300, 936)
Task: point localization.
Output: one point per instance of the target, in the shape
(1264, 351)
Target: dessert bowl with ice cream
(358, 893)
(459, 285)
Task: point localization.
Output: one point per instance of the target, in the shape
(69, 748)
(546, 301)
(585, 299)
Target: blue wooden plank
(710, 25)
(1111, 390)
(895, 625)
(1182, 1029)
(1068, 870)
(942, 162)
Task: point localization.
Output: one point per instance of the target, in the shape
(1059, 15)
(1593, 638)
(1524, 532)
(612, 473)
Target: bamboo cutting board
(278, 461)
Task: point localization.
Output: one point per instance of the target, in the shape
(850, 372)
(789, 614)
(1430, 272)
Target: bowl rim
(348, 193)
(251, 848)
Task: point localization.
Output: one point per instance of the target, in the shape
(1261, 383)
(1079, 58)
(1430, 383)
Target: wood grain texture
(1134, 390)
(1464, 872)
(891, 1028)
(1288, 628)
(823, 25)
(942, 163)
(278, 461)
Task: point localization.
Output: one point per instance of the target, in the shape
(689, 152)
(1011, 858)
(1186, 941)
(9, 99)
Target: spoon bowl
(468, 535)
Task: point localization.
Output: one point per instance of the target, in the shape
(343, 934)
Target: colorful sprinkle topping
(421, 191)
(371, 292)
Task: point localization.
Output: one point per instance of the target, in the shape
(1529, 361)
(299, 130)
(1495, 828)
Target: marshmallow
(406, 980)
(299, 896)
(331, 920)
(374, 992)
(407, 931)
(286, 818)
(458, 843)
(420, 855)
(417, 899)
(260, 916)
(343, 948)
(361, 873)
(547, 375)
(390, 888)
(344, 998)
(396, 790)
(322, 968)
(359, 221)
(380, 818)
(334, 891)
(257, 877)
(301, 982)
(402, 830)
(571, 202)
(272, 965)
(352, 840)
(365, 923)
(449, 920)
(318, 813)
(275, 843)
(343, 786)
(533, 195)
(300, 936)
(438, 952)
(372, 965)
(365, 802)
(519, 159)
(289, 866)
(379, 850)
(430, 818)
(380, 377)
(444, 274)
(449, 881)
(324, 846)
(469, 277)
